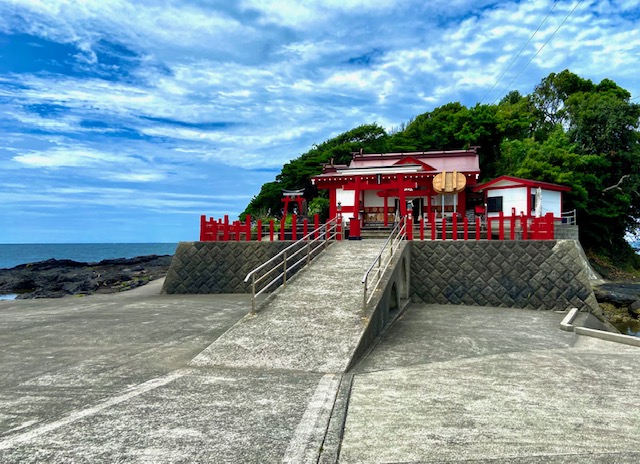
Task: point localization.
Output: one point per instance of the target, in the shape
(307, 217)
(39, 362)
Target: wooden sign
(449, 182)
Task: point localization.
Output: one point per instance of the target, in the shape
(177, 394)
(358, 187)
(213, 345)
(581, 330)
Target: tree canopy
(568, 131)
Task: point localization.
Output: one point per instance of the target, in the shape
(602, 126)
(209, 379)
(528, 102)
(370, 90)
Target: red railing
(498, 227)
(223, 230)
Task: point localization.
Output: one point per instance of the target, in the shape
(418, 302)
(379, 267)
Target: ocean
(13, 254)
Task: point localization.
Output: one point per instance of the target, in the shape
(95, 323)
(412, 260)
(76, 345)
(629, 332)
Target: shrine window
(494, 204)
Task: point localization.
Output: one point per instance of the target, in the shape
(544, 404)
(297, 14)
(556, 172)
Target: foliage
(319, 206)
(568, 131)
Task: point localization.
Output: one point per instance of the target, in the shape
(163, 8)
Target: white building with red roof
(377, 188)
(513, 195)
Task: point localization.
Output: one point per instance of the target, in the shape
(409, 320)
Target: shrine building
(379, 188)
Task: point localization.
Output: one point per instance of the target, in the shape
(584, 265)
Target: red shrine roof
(427, 162)
(509, 181)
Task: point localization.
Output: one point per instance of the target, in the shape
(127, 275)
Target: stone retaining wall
(516, 274)
(217, 267)
(566, 232)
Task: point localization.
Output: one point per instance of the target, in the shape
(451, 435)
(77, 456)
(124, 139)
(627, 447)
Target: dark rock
(619, 294)
(55, 278)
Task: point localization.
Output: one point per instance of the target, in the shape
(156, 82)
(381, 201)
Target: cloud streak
(197, 98)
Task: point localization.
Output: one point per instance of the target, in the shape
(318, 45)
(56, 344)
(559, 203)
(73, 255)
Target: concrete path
(107, 379)
(314, 324)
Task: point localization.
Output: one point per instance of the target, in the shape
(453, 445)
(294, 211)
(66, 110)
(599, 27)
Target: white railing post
(253, 293)
(284, 272)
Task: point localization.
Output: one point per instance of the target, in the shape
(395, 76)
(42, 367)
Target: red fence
(222, 230)
(499, 227)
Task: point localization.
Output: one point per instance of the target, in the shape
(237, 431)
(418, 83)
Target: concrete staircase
(314, 324)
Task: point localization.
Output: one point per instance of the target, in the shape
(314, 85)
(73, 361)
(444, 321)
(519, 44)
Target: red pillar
(316, 225)
(550, 229)
(203, 225)
(477, 228)
(444, 228)
(410, 227)
(501, 226)
(512, 232)
(225, 230)
(286, 206)
(248, 228)
(465, 226)
(299, 200)
(424, 219)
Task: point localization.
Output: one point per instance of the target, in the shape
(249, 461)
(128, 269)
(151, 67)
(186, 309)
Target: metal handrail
(324, 233)
(397, 234)
(568, 217)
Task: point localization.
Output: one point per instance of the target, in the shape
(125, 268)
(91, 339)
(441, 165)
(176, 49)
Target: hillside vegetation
(568, 131)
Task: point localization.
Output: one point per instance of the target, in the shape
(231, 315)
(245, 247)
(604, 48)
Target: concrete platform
(107, 379)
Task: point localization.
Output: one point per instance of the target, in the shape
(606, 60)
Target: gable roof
(416, 161)
(509, 181)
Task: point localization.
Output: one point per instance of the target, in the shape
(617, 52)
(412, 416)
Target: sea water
(13, 254)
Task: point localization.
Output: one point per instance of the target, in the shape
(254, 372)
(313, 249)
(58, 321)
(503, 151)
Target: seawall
(217, 267)
(546, 275)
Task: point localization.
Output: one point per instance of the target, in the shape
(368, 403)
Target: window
(533, 202)
(494, 204)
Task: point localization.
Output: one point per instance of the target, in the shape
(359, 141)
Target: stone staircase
(314, 324)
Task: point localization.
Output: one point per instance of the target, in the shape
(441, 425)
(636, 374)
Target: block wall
(217, 267)
(517, 274)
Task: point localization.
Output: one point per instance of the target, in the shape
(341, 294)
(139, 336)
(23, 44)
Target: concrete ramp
(314, 324)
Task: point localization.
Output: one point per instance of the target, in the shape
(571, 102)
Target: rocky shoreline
(620, 302)
(56, 278)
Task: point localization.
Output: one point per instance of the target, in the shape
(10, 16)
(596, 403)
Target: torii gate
(295, 195)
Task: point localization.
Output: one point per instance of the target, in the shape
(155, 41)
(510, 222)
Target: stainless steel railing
(282, 262)
(381, 262)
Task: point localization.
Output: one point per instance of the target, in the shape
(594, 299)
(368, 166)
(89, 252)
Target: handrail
(568, 217)
(397, 234)
(325, 233)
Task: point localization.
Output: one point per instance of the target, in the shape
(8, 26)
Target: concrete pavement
(107, 379)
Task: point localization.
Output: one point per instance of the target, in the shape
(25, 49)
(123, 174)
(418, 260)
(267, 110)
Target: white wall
(517, 198)
(373, 200)
(511, 198)
(551, 202)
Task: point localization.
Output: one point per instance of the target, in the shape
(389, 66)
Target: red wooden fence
(222, 230)
(501, 227)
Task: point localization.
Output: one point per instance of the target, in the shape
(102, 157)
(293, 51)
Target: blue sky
(123, 121)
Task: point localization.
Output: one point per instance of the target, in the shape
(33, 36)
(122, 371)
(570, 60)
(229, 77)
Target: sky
(124, 121)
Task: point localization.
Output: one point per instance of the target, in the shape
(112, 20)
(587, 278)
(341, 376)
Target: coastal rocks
(57, 278)
(621, 303)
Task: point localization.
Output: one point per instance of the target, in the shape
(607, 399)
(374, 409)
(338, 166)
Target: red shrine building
(379, 188)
